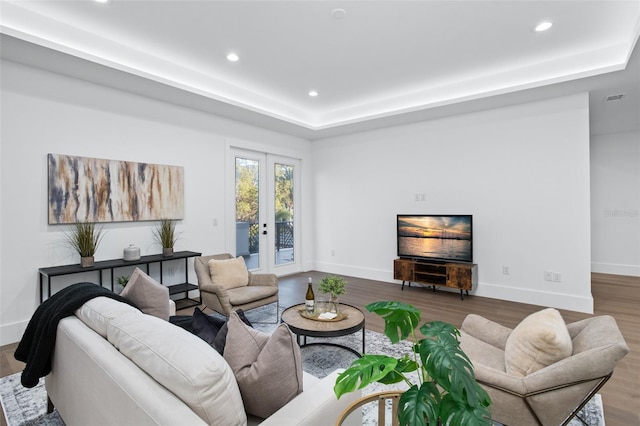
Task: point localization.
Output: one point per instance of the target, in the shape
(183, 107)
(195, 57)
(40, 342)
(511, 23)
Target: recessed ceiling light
(313, 93)
(102, 1)
(338, 13)
(543, 26)
(233, 57)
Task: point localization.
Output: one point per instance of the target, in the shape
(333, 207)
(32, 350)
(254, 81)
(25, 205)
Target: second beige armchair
(551, 395)
(226, 285)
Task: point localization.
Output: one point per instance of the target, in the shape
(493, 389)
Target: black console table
(184, 288)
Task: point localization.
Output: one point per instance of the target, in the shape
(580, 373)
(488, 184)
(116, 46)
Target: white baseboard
(12, 333)
(365, 273)
(547, 299)
(616, 269)
(532, 297)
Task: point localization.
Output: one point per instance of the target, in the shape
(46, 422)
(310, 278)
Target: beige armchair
(262, 289)
(554, 394)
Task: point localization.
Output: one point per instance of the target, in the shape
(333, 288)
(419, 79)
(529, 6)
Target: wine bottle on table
(309, 299)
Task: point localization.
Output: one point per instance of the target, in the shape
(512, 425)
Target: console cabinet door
(403, 270)
(460, 276)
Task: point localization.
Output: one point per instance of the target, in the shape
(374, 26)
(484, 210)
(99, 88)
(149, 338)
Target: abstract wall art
(85, 189)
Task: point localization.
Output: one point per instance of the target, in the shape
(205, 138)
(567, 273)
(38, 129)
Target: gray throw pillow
(147, 294)
(268, 369)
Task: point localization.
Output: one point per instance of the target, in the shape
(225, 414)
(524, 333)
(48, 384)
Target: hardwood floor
(614, 295)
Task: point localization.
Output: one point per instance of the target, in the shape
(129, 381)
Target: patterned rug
(27, 407)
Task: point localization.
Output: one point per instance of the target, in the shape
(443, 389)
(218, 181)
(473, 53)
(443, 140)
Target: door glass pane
(283, 175)
(247, 211)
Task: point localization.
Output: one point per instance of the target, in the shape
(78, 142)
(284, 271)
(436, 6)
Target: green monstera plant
(446, 391)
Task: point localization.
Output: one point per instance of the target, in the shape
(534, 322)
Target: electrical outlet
(548, 276)
(506, 270)
(557, 277)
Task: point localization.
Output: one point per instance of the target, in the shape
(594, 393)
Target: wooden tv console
(462, 276)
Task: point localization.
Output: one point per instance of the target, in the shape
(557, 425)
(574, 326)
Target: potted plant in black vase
(446, 391)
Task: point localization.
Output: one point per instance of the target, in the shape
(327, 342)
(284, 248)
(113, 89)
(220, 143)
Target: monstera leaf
(454, 412)
(447, 364)
(400, 319)
(405, 365)
(419, 405)
(363, 371)
(447, 392)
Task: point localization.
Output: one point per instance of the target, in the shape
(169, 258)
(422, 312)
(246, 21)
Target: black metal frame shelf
(186, 287)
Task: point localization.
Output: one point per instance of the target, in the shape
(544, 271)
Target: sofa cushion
(183, 363)
(229, 273)
(248, 294)
(268, 369)
(149, 295)
(540, 340)
(98, 312)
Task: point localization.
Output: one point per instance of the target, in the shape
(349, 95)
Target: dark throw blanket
(36, 347)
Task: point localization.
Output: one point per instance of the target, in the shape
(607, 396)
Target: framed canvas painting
(82, 189)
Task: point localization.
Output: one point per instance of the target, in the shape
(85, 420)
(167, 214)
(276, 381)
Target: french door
(265, 216)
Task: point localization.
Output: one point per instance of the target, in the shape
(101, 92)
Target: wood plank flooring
(614, 295)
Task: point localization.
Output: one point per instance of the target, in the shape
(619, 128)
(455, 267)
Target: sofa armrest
(486, 330)
(317, 405)
(263, 280)
(172, 308)
(589, 365)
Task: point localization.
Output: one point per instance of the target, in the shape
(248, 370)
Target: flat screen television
(443, 238)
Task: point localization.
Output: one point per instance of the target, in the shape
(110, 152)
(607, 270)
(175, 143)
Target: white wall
(615, 203)
(522, 171)
(45, 113)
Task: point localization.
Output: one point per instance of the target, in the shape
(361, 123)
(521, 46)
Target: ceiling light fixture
(338, 13)
(543, 26)
(102, 1)
(233, 57)
(313, 93)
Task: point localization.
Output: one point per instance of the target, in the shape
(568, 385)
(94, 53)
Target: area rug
(27, 407)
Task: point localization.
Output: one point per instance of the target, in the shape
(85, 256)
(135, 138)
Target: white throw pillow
(541, 339)
(147, 294)
(182, 363)
(229, 273)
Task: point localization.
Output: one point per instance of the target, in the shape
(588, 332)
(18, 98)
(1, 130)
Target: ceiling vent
(617, 97)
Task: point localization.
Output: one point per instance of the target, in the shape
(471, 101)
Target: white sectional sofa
(114, 365)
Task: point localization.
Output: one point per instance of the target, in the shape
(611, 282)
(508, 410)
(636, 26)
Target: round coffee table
(304, 327)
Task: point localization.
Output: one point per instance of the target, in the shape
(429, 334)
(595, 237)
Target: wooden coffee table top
(308, 327)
